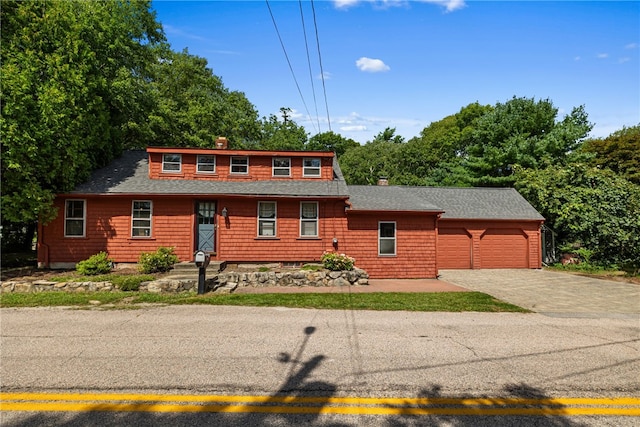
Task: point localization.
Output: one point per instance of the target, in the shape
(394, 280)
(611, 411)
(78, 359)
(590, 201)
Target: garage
(454, 248)
(504, 248)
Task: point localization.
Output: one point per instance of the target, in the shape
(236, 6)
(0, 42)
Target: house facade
(286, 207)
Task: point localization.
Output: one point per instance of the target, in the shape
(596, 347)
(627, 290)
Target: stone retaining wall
(225, 282)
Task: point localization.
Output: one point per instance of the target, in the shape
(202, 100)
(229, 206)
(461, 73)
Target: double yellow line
(107, 402)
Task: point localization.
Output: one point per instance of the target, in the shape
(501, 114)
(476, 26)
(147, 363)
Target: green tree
(522, 132)
(435, 157)
(74, 94)
(282, 135)
(194, 107)
(365, 164)
(388, 135)
(589, 208)
(331, 141)
(619, 152)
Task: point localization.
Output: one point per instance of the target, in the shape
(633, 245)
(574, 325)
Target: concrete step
(189, 269)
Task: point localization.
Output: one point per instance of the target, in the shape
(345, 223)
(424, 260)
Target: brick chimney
(221, 143)
(383, 180)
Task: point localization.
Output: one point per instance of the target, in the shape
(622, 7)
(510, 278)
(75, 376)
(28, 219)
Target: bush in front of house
(130, 283)
(160, 261)
(99, 263)
(337, 262)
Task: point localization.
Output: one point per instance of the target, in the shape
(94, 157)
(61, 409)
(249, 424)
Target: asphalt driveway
(552, 293)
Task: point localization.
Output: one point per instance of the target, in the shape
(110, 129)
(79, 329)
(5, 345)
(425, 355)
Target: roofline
(494, 219)
(364, 211)
(202, 195)
(185, 150)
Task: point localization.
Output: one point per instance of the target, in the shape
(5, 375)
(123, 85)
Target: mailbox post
(202, 261)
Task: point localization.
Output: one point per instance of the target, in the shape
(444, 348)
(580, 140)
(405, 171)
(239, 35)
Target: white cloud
(353, 128)
(624, 59)
(171, 30)
(631, 46)
(603, 55)
(324, 75)
(449, 5)
(577, 58)
(371, 65)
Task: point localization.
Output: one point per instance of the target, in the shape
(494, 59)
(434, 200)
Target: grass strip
(388, 301)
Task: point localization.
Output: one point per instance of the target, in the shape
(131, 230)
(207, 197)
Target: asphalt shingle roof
(457, 203)
(129, 174)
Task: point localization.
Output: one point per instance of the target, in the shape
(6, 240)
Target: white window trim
(198, 164)
(274, 167)
(83, 219)
(316, 220)
(274, 220)
(394, 238)
(304, 168)
(231, 165)
(164, 163)
(133, 202)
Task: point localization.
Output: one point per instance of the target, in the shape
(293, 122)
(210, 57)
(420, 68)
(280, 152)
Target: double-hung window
(240, 165)
(141, 218)
(74, 218)
(206, 164)
(386, 238)
(281, 166)
(311, 167)
(171, 163)
(267, 219)
(309, 219)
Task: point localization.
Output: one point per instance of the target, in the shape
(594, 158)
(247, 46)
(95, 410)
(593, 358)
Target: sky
(359, 67)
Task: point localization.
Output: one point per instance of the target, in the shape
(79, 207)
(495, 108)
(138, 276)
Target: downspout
(42, 247)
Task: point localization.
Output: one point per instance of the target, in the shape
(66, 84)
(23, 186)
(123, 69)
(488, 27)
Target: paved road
(553, 293)
(220, 353)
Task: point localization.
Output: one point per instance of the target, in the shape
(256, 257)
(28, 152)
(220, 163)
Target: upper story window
(309, 219)
(171, 162)
(74, 218)
(141, 218)
(386, 238)
(266, 219)
(311, 167)
(240, 165)
(206, 164)
(281, 166)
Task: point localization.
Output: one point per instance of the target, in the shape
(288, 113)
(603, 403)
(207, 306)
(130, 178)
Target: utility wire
(289, 62)
(306, 45)
(326, 104)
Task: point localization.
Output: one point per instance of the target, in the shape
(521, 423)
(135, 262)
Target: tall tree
(365, 164)
(619, 152)
(74, 91)
(194, 107)
(589, 208)
(283, 134)
(331, 141)
(522, 132)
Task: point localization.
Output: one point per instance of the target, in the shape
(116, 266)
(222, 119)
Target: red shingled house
(287, 207)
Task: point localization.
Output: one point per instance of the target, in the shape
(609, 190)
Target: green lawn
(440, 301)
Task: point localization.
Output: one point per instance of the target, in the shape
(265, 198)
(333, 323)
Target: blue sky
(405, 64)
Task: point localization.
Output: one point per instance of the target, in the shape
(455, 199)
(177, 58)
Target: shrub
(157, 262)
(337, 262)
(99, 263)
(130, 283)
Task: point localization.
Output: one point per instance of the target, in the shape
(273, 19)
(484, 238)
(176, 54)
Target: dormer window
(281, 166)
(311, 167)
(240, 165)
(206, 164)
(171, 163)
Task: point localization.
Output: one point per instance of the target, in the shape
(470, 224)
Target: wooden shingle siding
(260, 168)
(415, 245)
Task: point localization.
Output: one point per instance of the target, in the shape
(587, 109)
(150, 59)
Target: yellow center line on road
(107, 402)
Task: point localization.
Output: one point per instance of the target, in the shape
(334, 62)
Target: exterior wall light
(225, 212)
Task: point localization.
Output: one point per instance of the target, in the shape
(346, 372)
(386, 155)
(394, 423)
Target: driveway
(552, 293)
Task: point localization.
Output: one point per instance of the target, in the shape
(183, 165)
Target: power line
(315, 23)
(306, 45)
(289, 62)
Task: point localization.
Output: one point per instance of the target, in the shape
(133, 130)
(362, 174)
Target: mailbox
(201, 259)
